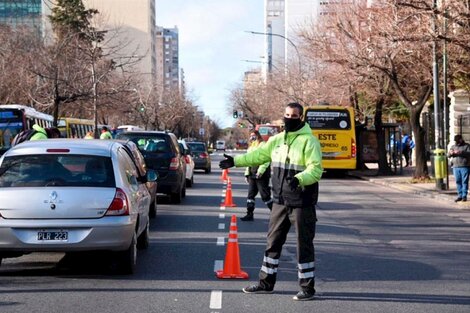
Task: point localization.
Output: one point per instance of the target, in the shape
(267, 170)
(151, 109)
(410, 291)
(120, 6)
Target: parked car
(162, 153)
(139, 162)
(66, 195)
(220, 145)
(201, 156)
(189, 163)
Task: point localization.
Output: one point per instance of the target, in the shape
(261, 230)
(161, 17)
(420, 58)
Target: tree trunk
(421, 167)
(384, 169)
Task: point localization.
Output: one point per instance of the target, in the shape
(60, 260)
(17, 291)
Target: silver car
(65, 195)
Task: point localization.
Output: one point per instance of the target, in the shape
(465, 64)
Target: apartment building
(167, 70)
(134, 21)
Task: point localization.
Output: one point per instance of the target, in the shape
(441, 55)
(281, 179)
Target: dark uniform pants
(255, 186)
(281, 219)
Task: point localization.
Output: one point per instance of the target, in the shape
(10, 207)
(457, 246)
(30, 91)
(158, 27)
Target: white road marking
(221, 225)
(221, 215)
(220, 241)
(216, 299)
(222, 208)
(218, 265)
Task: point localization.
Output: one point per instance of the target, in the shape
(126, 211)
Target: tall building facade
(283, 20)
(167, 57)
(134, 21)
(21, 13)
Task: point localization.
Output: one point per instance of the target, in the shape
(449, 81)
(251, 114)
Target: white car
(220, 145)
(65, 195)
(188, 159)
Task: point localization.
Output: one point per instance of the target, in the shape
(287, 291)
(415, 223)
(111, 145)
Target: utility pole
(437, 115)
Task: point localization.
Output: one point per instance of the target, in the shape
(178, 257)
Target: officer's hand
(227, 163)
(247, 179)
(258, 176)
(293, 183)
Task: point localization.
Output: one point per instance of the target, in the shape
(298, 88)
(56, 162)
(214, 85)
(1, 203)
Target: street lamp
(285, 38)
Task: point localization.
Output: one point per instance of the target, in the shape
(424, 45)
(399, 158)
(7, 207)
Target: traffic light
(235, 114)
(141, 109)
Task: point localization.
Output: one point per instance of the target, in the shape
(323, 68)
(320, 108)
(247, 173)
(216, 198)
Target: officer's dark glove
(293, 183)
(227, 163)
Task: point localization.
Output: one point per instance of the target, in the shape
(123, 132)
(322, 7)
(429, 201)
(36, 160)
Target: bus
(335, 129)
(74, 127)
(15, 118)
(267, 130)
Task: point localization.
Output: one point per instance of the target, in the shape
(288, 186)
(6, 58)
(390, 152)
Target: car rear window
(57, 170)
(148, 143)
(197, 147)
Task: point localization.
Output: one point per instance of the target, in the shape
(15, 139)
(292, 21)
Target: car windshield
(44, 170)
(147, 143)
(197, 147)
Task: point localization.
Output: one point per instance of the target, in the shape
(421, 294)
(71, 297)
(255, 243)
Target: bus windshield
(11, 123)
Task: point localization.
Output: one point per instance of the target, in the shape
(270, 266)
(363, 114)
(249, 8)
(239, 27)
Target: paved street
(378, 249)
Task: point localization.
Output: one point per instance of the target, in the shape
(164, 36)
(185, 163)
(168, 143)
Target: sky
(213, 43)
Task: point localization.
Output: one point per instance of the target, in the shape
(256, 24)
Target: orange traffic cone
(232, 257)
(228, 195)
(224, 176)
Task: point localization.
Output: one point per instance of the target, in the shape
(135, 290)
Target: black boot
(247, 217)
(270, 205)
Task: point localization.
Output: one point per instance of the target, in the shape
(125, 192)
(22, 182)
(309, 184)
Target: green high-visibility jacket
(295, 154)
(40, 133)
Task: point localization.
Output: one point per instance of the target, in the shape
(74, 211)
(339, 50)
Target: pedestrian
(105, 133)
(257, 178)
(407, 145)
(295, 156)
(460, 162)
(53, 132)
(89, 135)
(39, 134)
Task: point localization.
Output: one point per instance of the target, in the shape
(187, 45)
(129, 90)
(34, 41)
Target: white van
(220, 145)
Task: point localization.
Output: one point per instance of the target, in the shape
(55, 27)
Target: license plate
(53, 235)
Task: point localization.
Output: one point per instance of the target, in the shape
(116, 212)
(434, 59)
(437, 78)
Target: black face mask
(292, 124)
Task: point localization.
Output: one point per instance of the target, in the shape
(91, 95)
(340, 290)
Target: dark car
(200, 154)
(139, 161)
(162, 154)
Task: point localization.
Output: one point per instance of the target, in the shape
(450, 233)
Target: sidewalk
(404, 183)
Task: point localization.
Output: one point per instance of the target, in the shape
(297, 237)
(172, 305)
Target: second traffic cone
(232, 256)
(228, 195)
(224, 176)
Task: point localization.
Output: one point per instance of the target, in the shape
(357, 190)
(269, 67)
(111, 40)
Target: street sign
(201, 131)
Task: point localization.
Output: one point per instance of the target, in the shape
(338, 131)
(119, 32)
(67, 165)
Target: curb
(409, 189)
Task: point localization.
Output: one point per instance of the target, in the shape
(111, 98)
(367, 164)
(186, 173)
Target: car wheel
(128, 258)
(153, 208)
(176, 197)
(1, 261)
(208, 170)
(143, 240)
(190, 182)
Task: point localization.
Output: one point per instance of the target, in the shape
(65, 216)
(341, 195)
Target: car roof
(76, 146)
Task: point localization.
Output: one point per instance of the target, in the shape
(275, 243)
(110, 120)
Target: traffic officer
(257, 178)
(295, 157)
(105, 133)
(40, 133)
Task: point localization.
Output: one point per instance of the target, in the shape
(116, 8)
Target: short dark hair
(257, 134)
(104, 128)
(457, 137)
(298, 106)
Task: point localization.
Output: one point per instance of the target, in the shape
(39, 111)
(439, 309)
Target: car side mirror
(152, 175)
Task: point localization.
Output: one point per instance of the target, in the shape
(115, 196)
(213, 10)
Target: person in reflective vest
(105, 133)
(257, 178)
(295, 156)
